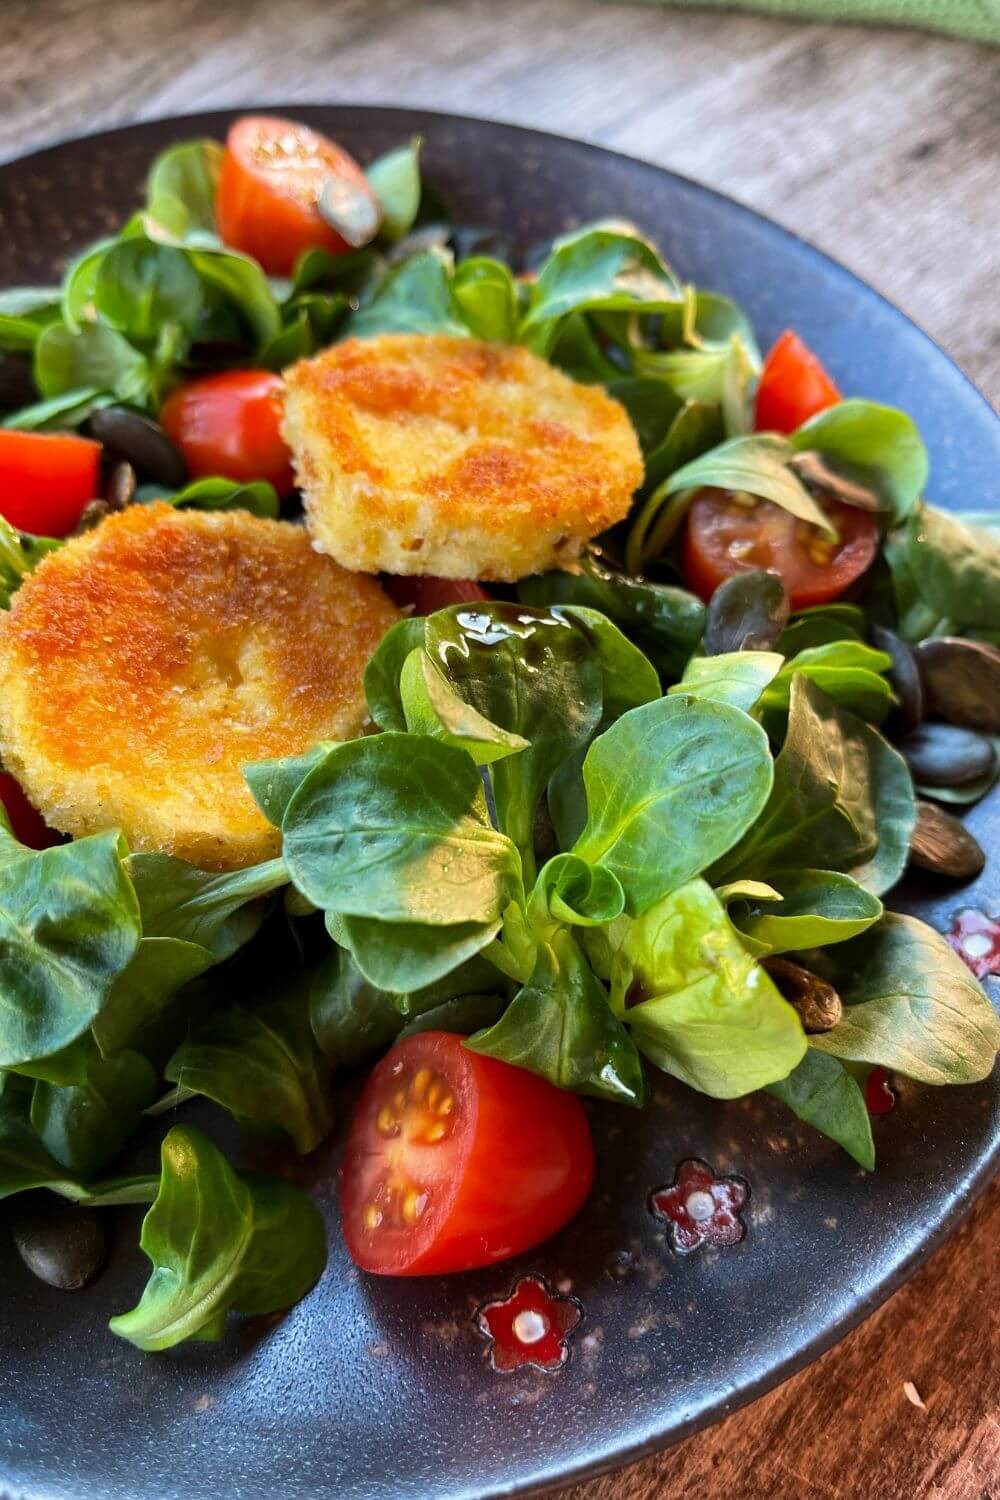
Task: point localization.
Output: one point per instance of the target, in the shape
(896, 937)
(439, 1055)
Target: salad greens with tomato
(637, 816)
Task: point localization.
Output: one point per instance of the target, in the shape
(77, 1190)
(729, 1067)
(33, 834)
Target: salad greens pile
(576, 835)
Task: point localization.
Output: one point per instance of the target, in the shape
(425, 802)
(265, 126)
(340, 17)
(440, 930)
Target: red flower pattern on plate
(530, 1327)
(975, 937)
(700, 1208)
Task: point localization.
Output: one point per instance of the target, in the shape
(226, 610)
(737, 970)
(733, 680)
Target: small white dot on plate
(700, 1206)
(530, 1326)
(977, 944)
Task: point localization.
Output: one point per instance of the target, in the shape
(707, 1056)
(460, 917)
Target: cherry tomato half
(727, 535)
(27, 822)
(456, 1160)
(793, 386)
(430, 594)
(46, 478)
(272, 176)
(230, 424)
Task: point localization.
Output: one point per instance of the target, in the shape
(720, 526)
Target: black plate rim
(968, 1189)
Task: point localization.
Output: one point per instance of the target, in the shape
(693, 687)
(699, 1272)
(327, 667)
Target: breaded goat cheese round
(145, 662)
(435, 455)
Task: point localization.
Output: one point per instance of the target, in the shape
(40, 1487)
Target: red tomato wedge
(230, 424)
(27, 822)
(793, 386)
(46, 479)
(273, 174)
(456, 1160)
(429, 594)
(726, 535)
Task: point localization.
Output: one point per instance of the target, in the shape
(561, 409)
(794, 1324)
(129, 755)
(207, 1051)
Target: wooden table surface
(881, 147)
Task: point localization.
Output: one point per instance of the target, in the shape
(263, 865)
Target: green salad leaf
(486, 295)
(665, 622)
(259, 496)
(84, 1125)
(219, 912)
(352, 1019)
(537, 677)
(219, 1242)
(415, 297)
(734, 677)
(815, 907)
(839, 790)
(403, 956)
(910, 1005)
(188, 174)
(70, 924)
(697, 1004)
(877, 445)
(394, 178)
(670, 787)
(263, 1065)
(570, 891)
(395, 828)
(824, 1094)
(602, 267)
(559, 1026)
(954, 567)
(757, 465)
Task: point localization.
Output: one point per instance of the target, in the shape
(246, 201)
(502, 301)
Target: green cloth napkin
(978, 20)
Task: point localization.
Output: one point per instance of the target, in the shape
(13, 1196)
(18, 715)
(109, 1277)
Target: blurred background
(881, 145)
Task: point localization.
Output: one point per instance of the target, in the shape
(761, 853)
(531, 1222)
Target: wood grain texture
(880, 147)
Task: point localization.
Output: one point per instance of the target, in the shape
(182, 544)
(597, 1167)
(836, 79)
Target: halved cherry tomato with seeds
(273, 174)
(46, 479)
(456, 1160)
(793, 386)
(230, 424)
(429, 594)
(729, 534)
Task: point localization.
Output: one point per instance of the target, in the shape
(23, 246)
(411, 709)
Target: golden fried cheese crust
(436, 455)
(145, 662)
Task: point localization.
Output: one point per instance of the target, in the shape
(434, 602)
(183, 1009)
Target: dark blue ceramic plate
(374, 1389)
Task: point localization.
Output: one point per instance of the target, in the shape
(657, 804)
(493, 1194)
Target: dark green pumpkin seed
(817, 1002)
(961, 681)
(62, 1245)
(747, 613)
(941, 844)
(944, 755)
(904, 678)
(142, 442)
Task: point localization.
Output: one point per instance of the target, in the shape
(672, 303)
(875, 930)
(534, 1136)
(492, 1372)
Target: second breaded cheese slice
(434, 455)
(146, 662)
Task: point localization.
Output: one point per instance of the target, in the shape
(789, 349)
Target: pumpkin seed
(746, 613)
(817, 475)
(349, 208)
(142, 442)
(904, 678)
(118, 490)
(62, 1245)
(941, 844)
(92, 515)
(944, 755)
(961, 681)
(817, 1002)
